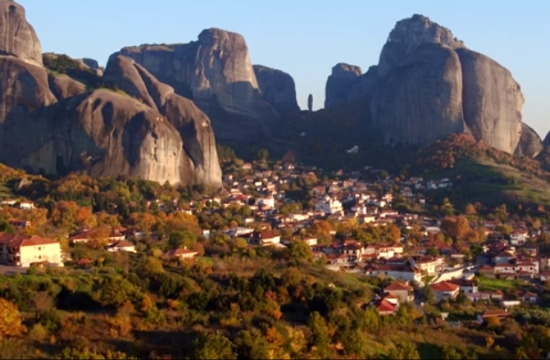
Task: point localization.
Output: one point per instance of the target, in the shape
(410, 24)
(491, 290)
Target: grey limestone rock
(339, 84)
(277, 88)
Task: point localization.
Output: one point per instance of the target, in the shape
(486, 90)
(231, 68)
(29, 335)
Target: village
(416, 253)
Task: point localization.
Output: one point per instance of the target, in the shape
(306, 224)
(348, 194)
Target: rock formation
(216, 73)
(340, 83)
(277, 88)
(192, 124)
(310, 102)
(428, 85)
(530, 144)
(18, 36)
(52, 123)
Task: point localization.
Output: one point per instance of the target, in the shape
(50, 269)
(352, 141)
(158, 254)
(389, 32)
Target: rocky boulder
(111, 134)
(365, 87)
(340, 82)
(430, 85)
(530, 144)
(277, 88)
(64, 87)
(192, 124)
(216, 73)
(18, 36)
(52, 123)
(420, 101)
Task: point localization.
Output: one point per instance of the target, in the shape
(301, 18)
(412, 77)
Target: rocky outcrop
(430, 85)
(277, 88)
(530, 144)
(192, 124)
(18, 37)
(216, 73)
(51, 123)
(64, 87)
(420, 100)
(366, 87)
(110, 134)
(92, 65)
(25, 108)
(339, 84)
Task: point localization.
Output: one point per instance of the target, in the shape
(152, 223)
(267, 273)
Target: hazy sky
(306, 38)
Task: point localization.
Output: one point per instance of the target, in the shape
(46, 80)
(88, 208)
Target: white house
(407, 273)
(329, 206)
(24, 250)
(26, 205)
(121, 245)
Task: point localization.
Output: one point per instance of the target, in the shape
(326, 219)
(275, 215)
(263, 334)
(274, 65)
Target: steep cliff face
(25, 108)
(110, 134)
(192, 124)
(277, 88)
(18, 37)
(420, 99)
(430, 85)
(492, 101)
(216, 73)
(54, 124)
(340, 83)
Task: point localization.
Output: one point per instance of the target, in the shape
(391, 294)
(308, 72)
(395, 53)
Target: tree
(252, 345)
(320, 336)
(355, 344)
(213, 347)
(178, 239)
(300, 250)
(455, 226)
(43, 303)
(10, 319)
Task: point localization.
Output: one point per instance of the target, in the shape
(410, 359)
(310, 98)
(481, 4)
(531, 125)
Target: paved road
(10, 270)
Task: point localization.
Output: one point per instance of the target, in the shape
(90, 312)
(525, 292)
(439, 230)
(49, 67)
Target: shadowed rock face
(340, 83)
(52, 123)
(277, 88)
(216, 73)
(192, 124)
(430, 85)
(18, 37)
(530, 144)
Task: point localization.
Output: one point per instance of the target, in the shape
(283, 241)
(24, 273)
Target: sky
(306, 38)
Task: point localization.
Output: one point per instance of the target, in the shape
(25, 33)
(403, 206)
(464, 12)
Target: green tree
(355, 344)
(300, 250)
(213, 346)
(181, 238)
(320, 336)
(252, 345)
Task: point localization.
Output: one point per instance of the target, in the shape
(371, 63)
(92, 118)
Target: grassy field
(493, 184)
(488, 284)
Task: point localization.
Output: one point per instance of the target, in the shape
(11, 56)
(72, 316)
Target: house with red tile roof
(445, 290)
(25, 250)
(385, 307)
(402, 291)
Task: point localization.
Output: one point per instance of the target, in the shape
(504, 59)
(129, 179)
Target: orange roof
(444, 286)
(16, 240)
(396, 285)
(386, 306)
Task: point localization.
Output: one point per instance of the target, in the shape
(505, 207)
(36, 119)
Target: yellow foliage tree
(10, 319)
